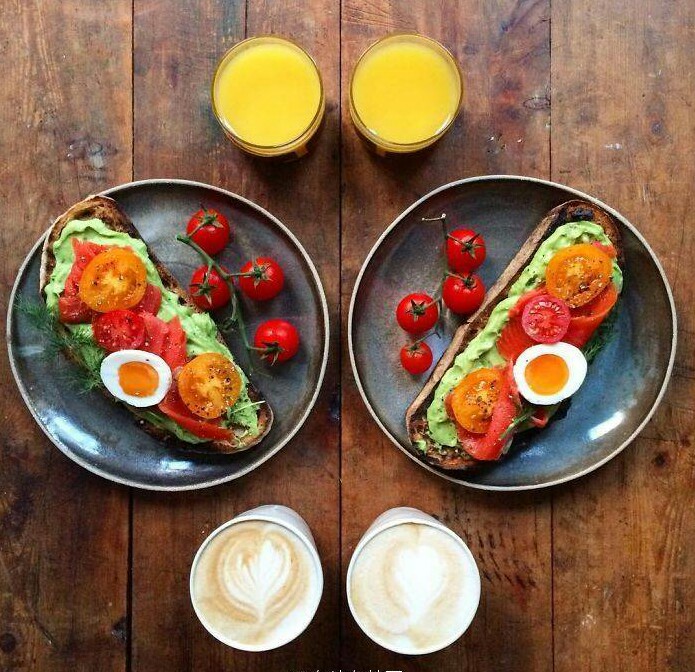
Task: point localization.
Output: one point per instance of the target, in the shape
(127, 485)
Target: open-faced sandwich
(525, 351)
(152, 348)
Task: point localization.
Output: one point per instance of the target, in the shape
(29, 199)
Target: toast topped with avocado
(138, 331)
(526, 349)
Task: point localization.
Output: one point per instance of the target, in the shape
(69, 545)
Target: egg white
(576, 364)
(109, 374)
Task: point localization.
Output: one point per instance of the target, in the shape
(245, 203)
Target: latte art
(411, 588)
(256, 584)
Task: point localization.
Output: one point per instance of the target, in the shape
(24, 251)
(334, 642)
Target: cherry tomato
(416, 358)
(578, 273)
(465, 250)
(277, 341)
(119, 330)
(209, 384)
(265, 279)
(207, 289)
(209, 229)
(473, 399)
(463, 294)
(115, 279)
(546, 319)
(417, 313)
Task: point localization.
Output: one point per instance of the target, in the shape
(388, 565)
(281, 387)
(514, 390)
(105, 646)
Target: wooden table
(598, 94)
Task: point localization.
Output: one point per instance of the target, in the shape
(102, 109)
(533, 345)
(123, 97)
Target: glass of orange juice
(268, 96)
(405, 93)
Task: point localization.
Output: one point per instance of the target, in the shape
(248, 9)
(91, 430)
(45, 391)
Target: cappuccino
(413, 587)
(256, 584)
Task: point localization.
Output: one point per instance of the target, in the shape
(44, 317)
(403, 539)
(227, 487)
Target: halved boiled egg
(548, 373)
(136, 377)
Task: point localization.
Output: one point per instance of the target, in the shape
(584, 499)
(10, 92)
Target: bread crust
(107, 210)
(416, 415)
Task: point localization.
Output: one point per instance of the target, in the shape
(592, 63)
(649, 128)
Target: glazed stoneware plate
(624, 384)
(101, 435)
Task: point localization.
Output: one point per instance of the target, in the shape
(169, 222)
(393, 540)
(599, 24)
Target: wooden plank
(65, 130)
(503, 49)
(622, 129)
(176, 48)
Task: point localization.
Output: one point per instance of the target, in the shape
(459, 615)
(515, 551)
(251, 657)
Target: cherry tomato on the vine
(465, 250)
(463, 294)
(416, 357)
(263, 280)
(208, 289)
(209, 229)
(417, 313)
(276, 341)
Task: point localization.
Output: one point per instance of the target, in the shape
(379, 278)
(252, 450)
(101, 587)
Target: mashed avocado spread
(482, 351)
(201, 332)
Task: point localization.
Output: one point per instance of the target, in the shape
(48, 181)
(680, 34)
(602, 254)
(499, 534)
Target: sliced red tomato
(73, 310)
(173, 407)
(119, 330)
(545, 318)
(489, 446)
(587, 318)
(151, 301)
(513, 340)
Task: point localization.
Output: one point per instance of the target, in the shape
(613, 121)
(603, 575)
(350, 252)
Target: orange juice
(405, 93)
(268, 97)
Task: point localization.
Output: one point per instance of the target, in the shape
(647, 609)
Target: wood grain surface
(63, 531)
(596, 575)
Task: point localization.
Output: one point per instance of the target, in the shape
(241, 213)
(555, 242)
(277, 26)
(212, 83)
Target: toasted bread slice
(416, 415)
(106, 209)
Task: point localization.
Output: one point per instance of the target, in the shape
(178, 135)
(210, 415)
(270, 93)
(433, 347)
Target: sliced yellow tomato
(114, 280)
(474, 398)
(578, 273)
(209, 384)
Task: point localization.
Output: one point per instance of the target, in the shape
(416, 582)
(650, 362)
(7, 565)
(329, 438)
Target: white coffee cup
(256, 581)
(429, 591)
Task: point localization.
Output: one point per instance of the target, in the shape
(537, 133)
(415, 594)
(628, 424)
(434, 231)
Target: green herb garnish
(59, 338)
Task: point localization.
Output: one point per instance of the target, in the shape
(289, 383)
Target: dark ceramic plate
(101, 435)
(624, 384)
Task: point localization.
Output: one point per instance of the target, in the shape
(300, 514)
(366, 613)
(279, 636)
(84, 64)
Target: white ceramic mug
(242, 577)
(469, 597)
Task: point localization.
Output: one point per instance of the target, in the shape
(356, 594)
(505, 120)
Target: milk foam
(412, 588)
(256, 584)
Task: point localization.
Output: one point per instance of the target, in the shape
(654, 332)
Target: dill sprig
(59, 338)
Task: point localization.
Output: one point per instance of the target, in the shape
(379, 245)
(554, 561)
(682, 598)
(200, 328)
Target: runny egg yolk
(547, 374)
(138, 379)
